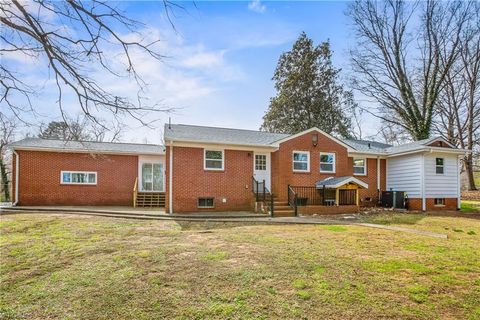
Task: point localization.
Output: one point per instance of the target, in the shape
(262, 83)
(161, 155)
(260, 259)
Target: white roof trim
(278, 142)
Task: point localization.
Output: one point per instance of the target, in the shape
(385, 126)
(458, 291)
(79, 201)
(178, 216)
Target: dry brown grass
(71, 267)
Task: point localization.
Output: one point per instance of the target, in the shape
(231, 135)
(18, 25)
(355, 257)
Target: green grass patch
(215, 256)
(418, 293)
(470, 206)
(335, 228)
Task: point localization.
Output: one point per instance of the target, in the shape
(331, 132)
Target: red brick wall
(39, 178)
(191, 181)
(324, 210)
(283, 175)
(416, 204)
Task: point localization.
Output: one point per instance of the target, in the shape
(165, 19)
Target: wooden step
(150, 199)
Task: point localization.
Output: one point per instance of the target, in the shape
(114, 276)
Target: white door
(261, 168)
(151, 178)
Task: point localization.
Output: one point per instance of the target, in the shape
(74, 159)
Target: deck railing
(135, 193)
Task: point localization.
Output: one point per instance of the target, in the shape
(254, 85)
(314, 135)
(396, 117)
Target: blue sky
(221, 59)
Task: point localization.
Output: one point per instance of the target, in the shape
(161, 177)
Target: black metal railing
(308, 196)
(292, 199)
(262, 194)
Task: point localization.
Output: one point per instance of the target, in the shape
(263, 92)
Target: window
(439, 168)
(301, 161)
(260, 162)
(359, 166)
(205, 202)
(327, 162)
(78, 177)
(213, 160)
(439, 201)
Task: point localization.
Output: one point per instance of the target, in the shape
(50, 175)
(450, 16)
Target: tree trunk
(469, 171)
(5, 182)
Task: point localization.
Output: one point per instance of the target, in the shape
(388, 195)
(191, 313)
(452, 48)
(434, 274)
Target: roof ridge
(212, 127)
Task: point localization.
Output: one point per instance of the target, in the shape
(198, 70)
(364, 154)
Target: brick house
(222, 169)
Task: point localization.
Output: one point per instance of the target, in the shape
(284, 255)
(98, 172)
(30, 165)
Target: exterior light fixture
(315, 139)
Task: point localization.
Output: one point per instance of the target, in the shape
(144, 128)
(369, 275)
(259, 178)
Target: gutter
(17, 165)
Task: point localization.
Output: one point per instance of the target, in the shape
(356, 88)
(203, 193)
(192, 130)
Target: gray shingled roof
(410, 146)
(182, 132)
(366, 145)
(337, 181)
(87, 146)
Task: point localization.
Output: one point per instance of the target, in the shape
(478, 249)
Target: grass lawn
(470, 206)
(72, 267)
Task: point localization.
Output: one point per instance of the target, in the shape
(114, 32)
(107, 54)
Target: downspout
(422, 184)
(378, 179)
(17, 164)
(170, 180)
(459, 191)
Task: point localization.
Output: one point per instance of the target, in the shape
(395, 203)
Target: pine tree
(308, 92)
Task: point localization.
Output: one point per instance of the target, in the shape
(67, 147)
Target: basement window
(439, 165)
(439, 201)
(205, 203)
(78, 177)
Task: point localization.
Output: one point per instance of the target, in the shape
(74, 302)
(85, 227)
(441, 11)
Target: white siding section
(441, 185)
(404, 173)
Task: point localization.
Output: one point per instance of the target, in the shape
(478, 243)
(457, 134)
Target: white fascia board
(370, 155)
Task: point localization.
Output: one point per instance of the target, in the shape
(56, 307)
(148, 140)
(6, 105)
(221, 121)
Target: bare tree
(397, 57)
(72, 36)
(458, 106)
(81, 128)
(7, 132)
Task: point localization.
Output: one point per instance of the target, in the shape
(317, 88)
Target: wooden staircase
(150, 199)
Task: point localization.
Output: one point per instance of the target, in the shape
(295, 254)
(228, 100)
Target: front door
(152, 177)
(261, 168)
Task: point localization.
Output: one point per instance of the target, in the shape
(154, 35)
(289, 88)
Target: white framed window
(213, 159)
(439, 201)
(205, 203)
(261, 162)
(301, 161)
(78, 177)
(359, 166)
(327, 162)
(439, 166)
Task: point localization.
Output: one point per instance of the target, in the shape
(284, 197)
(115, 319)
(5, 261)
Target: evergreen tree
(308, 92)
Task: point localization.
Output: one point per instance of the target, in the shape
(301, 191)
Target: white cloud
(257, 6)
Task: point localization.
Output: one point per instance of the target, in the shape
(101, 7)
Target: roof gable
(293, 136)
